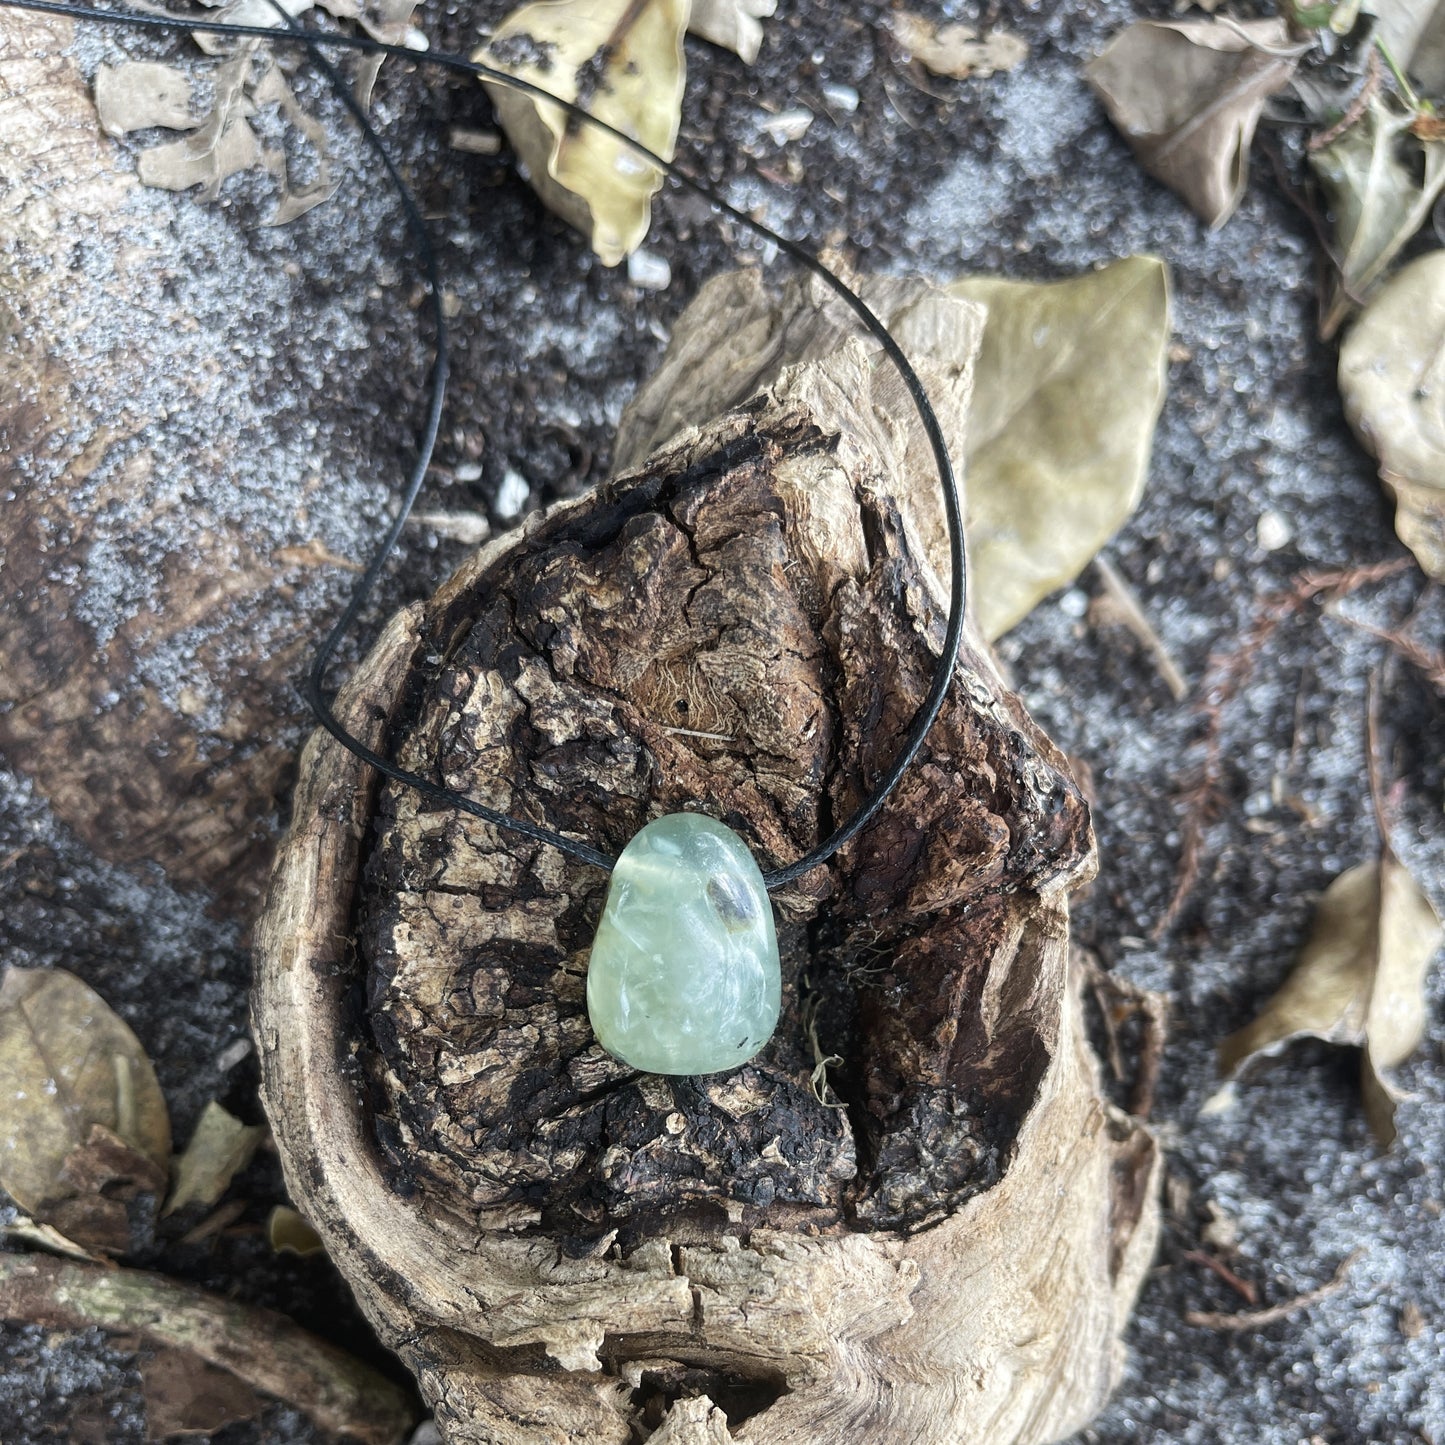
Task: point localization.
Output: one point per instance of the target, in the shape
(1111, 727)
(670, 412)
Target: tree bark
(938, 1243)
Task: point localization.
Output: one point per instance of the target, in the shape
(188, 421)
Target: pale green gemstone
(684, 976)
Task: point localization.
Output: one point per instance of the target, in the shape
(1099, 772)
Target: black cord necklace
(731, 895)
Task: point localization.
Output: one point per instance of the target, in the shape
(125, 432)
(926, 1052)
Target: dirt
(1019, 174)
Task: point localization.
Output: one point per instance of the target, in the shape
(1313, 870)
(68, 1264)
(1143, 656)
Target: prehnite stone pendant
(684, 976)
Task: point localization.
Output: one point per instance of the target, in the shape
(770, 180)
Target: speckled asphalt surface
(1019, 174)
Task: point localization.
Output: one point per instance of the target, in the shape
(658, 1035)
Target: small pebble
(1273, 532)
(1074, 603)
(649, 271)
(511, 495)
(787, 124)
(841, 97)
(232, 1055)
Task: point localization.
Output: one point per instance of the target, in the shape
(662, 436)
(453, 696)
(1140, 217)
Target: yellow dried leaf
(733, 24)
(1066, 391)
(222, 146)
(220, 1148)
(1359, 981)
(68, 1065)
(1392, 378)
(622, 60)
(289, 1233)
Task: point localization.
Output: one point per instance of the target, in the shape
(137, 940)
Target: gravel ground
(1018, 174)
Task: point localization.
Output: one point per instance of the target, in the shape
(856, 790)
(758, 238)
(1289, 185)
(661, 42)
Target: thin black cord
(314, 687)
(316, 696)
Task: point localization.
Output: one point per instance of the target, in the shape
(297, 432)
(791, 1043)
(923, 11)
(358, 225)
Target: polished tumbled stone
(684, 976)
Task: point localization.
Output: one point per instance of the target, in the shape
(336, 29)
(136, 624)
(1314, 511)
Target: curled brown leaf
(1187, 95)
(1358, 981)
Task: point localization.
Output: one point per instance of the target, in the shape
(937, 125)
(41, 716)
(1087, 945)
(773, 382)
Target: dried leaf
(622, 60)
(261, 13)
(733, 24)
(289, 1233)
(1358, 981)
(137, 95)
(1380, 181)
(140, 94)
(47, 1237)
(1402, 26)
(1067, 388)
(69, 1066)
(956, 50)
(296, 198)
(1392, 377)
(220, 1148)
(222, 146)
(389, 21)
(111, 1189)
(1427, 57)
(1187, 96)
(187, 1396)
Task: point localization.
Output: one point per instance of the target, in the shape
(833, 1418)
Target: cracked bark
(561, 1248)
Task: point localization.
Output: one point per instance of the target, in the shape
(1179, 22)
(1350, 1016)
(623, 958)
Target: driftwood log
(913, 1217)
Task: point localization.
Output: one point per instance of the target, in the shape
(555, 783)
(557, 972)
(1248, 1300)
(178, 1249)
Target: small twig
(1242, 1287)
(1223, 682)
(1133, 617)
(342, 1395)
(1355, 109)
(1258, 1319)
(818, 1079)
(1374, 768)
(1098, 984)
(1431, 664)
(1407, 91)
(1155, 1009)
(1119, 1000)
(469, 528)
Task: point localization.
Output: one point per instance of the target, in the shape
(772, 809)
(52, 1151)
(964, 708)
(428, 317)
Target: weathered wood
(266, 1350)
(562, 1249)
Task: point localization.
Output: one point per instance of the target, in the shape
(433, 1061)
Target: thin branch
(1242, 1287)
(1225, 679)
(1259, 1319)
(1134, 618)
(1373, 766)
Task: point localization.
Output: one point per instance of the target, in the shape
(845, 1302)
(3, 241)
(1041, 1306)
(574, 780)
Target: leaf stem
(1407, 91)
